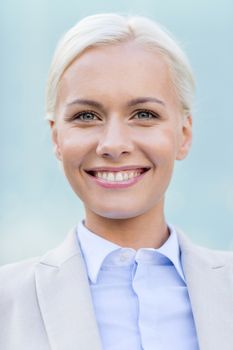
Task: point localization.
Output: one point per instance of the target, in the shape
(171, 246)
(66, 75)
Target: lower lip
(122, 184)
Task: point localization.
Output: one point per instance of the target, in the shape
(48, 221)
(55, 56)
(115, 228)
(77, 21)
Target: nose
(114, 141)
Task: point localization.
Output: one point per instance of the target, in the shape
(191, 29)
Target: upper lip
(116, 169)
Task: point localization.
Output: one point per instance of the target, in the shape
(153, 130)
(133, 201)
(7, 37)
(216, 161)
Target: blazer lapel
(67, 311)
(209, 279)
(64, 299)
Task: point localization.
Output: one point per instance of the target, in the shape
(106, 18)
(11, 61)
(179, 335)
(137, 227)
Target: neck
(148, 230)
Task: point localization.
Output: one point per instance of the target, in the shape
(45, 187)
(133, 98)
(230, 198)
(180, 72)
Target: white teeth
(131, 175)
(117, 176)
(110, 177)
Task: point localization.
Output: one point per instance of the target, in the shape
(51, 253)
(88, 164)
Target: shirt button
(124, 257)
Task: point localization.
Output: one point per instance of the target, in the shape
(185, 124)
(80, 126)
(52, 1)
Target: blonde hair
(109, 29)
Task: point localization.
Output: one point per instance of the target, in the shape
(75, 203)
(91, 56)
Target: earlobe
(55, 141)
(186, 138)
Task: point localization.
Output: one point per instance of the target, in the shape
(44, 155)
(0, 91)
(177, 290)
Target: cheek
(74, 146)
(161, 146)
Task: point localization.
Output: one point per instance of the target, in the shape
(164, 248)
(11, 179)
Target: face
(119, 129)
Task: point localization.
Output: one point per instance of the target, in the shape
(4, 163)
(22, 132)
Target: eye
(85, 116)
(144, 115)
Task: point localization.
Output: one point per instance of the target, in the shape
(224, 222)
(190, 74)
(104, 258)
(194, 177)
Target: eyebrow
(130, 103)
(86, 102)
(139, 100)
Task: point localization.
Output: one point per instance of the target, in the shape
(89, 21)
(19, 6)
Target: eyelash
(153, 114)
(78, 116)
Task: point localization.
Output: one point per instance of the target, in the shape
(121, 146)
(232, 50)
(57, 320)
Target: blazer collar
(65, 301)
(64, 298)
(210, 285)
(95, 249)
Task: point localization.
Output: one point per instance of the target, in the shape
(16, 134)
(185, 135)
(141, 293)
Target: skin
(119, 134)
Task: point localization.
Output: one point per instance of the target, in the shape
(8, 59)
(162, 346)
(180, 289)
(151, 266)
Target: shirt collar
(95, 249)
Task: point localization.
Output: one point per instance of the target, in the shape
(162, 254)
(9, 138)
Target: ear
(186, 138)
(55, 141)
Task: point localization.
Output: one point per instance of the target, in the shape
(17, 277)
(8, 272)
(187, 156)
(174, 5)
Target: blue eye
(85, 116)
(142, 115)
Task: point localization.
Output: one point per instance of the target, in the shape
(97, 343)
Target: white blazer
(45, 303)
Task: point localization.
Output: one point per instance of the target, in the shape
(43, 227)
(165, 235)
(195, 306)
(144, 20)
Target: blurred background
(37, 206)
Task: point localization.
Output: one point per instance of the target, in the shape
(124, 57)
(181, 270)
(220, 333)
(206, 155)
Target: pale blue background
(37, 205)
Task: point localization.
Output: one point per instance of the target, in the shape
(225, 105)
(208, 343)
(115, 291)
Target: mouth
(115, 175)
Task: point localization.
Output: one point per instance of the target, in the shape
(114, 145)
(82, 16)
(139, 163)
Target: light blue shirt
(140, 297)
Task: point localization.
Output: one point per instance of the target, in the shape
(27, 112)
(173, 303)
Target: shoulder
(16, 277)
(18, 291)
(18, 270)
(194, 250)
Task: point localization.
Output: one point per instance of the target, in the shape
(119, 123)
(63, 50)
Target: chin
(118, 214)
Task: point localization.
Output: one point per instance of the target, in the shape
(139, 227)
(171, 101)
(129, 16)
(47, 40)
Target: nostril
(114, 148)
(105, 155)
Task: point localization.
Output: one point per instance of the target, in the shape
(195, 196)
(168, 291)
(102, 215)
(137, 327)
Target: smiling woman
(119, 104)
(135, 122)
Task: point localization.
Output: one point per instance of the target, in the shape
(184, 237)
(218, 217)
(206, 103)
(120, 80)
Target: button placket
(126, 256)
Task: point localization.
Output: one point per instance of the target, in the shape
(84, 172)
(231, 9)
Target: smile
(117, 179)
(118, 176)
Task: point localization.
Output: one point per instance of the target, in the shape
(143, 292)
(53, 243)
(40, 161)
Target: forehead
(124, 70)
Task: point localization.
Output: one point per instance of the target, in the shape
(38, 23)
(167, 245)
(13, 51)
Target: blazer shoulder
(18, 267)
(224, 256)
(16, 277)
(211, 255)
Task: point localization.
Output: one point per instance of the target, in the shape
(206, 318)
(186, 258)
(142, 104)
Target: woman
(119, 103)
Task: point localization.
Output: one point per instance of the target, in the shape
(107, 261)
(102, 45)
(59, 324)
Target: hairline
(144, 45)
(149, 34)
